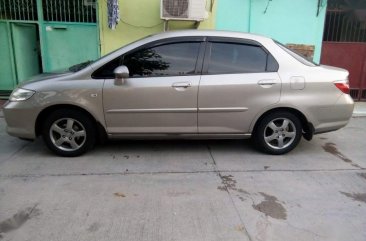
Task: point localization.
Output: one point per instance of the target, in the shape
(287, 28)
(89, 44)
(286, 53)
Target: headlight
(21, 94)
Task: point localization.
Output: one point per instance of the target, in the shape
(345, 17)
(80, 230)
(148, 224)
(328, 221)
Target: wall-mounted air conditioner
(183, 10)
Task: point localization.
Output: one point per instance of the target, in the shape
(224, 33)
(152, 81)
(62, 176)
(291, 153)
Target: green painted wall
(233, 15)
(140, 18)
(287, 21)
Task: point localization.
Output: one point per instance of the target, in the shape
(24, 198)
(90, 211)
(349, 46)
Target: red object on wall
(350, 56)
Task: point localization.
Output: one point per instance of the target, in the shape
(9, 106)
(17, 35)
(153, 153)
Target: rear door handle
(267, 82)
(181, 85)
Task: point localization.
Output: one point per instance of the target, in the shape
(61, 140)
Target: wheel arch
(100, 129)
(307, 127)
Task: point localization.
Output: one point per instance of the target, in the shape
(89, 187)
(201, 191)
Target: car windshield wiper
(80, 66)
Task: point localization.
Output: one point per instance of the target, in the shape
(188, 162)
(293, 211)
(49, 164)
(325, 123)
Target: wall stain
(229, 183)
(361, 197)
(241, 198)
(94, 227)
(119, 194)
(362, 175)
(271, 207)
(18, 219)
(332, 149)
(177, 193)
(240, 228)
(266, 167)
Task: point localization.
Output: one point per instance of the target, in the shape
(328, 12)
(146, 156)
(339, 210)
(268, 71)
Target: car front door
(160, 96)
(239, 79)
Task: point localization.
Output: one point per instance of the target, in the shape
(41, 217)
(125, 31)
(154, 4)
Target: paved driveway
(186, 190)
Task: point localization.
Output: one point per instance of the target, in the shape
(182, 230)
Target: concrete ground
(186, 190)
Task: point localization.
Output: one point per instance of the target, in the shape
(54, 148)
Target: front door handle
(181, 85)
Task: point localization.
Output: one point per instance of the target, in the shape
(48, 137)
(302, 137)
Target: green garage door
(7, 75)
(18, 53)
(69, 32)
(25, 46)
(67, 44)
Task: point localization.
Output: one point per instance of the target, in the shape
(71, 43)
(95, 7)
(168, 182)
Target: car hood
(51, 75)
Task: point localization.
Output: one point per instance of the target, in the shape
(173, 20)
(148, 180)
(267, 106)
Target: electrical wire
(136, 26)
(141, 26)
(265, 10)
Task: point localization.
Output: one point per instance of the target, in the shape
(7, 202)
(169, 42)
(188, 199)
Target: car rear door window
(176, 59)
(228, 58)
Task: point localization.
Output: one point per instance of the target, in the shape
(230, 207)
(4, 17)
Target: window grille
(345, 22)
(18, 10)
(83, 11)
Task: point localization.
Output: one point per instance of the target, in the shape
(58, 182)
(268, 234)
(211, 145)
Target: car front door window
(177, 59)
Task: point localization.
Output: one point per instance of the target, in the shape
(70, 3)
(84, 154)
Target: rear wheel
(68, 132)
(278, 133)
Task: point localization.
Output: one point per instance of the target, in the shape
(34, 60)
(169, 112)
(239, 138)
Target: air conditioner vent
(183, 10)
(176, 8)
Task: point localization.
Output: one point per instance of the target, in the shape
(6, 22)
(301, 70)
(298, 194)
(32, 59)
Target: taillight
(342, 86)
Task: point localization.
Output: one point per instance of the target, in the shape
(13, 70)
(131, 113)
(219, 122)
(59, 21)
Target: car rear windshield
(299, 57)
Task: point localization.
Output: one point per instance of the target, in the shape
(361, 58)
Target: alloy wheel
(280, 133)
(67, 134)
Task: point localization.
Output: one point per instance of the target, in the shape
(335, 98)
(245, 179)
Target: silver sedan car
(184, 84)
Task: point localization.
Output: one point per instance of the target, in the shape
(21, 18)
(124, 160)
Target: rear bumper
(20, 118)
(334, 117)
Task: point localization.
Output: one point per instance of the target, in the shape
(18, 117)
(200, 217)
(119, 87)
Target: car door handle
(181, 85)
(267, 82)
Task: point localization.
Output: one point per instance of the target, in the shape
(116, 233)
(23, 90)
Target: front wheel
(68, 132)
(278, 133)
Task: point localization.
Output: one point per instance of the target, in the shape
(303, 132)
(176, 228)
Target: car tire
(278, 133)
(69, 133)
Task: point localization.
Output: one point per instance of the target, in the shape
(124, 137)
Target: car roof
(178, 33)
(212, 33)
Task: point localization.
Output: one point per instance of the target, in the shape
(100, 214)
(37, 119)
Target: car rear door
(239, 79)
(160, 96)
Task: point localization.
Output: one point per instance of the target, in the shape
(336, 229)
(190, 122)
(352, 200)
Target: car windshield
(80, 66)
(298, 56)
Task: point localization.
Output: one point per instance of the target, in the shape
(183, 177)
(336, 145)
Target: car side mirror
(120, 74)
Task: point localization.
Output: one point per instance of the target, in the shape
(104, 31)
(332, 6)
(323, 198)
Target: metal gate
(345, 41)
(45, 35)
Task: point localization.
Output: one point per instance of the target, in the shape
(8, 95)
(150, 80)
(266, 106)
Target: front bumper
(20, 118)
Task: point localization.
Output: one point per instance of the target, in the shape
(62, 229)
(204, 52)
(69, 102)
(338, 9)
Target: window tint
(164, 60)
(272, 65)
(106, 71)
(229, 58)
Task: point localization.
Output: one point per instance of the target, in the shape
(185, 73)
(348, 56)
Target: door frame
(197, 74)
